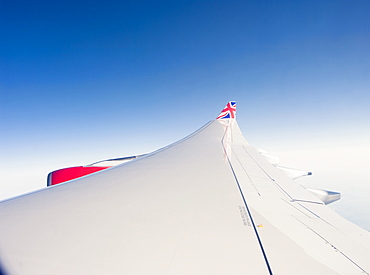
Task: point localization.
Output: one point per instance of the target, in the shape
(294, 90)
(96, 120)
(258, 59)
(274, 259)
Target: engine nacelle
(71, 173)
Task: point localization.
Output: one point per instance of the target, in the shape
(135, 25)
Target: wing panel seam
(334, 247)
(252, 221)
(247, 208)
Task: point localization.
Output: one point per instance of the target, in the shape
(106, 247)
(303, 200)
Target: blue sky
(81, 82)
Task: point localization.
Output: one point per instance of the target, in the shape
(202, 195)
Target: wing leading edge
(208, 204)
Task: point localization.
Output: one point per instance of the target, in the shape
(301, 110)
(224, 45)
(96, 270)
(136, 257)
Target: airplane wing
(207, 204)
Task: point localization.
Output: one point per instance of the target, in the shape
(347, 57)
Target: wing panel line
(251, 218)
(276, 183)
(247, 208)
(333, 246)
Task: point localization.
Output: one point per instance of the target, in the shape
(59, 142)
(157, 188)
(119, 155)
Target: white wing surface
(208, 204)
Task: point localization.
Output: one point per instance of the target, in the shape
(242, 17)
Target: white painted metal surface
(324, 195)
(208, 204)
(293, 173)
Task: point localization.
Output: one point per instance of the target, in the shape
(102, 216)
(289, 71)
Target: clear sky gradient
(85, 81)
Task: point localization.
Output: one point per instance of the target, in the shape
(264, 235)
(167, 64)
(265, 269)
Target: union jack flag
(229, 111)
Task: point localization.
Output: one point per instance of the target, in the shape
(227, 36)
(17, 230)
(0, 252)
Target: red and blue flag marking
(229, 111)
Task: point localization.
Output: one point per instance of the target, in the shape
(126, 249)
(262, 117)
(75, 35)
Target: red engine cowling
(66, 174)
(71, 173)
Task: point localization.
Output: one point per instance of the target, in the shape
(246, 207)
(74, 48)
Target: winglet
(229, 111)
